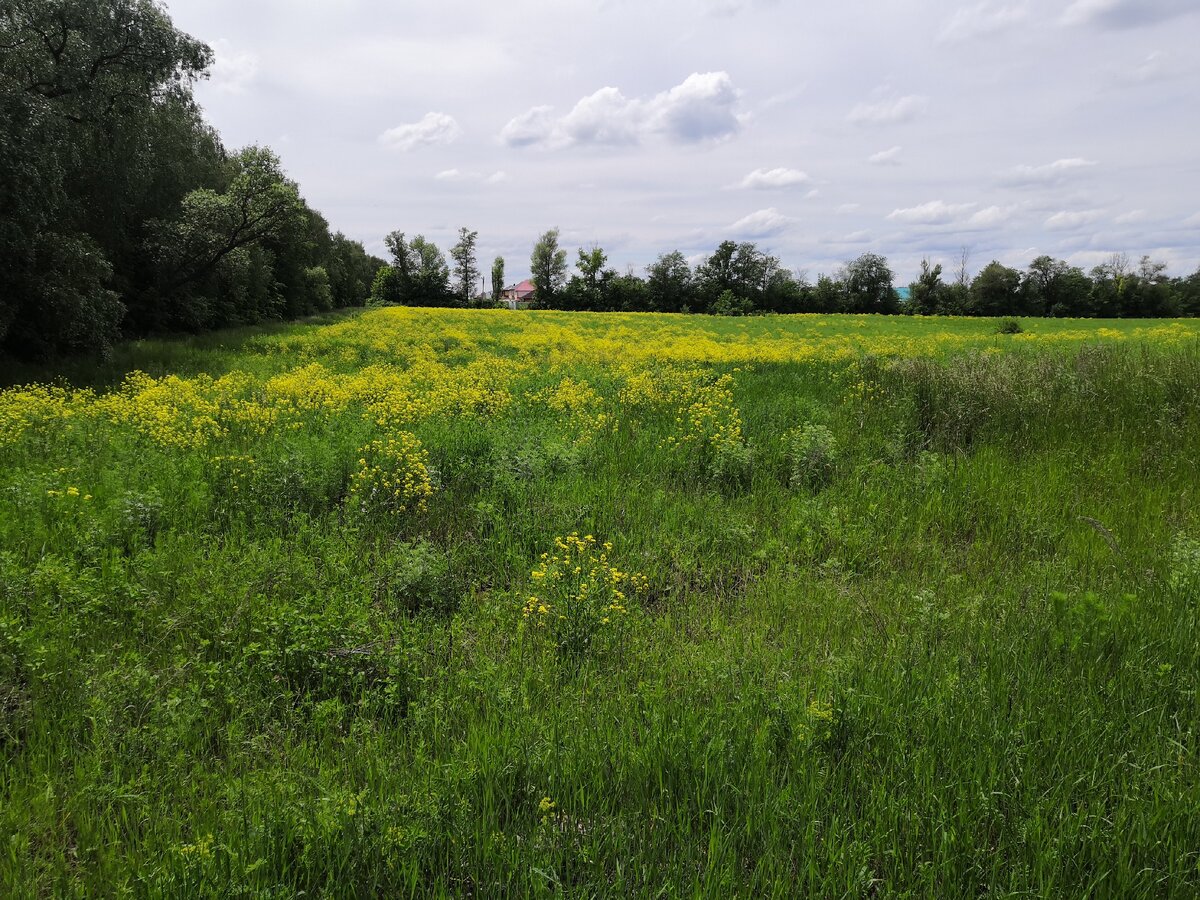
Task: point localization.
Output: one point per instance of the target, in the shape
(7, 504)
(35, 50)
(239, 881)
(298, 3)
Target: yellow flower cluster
(393, 476)
(171, 411)
(190, 413)
(34, 404)
(613, 339)
(578, 592)
(201, 850)
(819, 721)
(710, 420)
(580, 404)
(69, 493)
(701, 408)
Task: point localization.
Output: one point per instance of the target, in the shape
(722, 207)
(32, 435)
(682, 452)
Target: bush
(812, 453)
(1010, 326)
(730, 304)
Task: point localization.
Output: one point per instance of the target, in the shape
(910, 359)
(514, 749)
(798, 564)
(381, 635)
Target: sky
(819, 131)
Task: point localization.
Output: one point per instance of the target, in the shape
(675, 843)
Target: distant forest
(122, 214)
(741, 279)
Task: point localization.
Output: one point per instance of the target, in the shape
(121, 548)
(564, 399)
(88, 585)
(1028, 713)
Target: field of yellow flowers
(483, 603)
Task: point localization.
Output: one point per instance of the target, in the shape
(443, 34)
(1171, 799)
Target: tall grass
(926, 626)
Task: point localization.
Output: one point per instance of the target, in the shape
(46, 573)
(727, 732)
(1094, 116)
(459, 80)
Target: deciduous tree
(548, 265)
(466, 267)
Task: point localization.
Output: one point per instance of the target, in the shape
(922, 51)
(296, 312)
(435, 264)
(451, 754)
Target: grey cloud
(1156, 66)
(735, 7)
(1125, 13)
(532, 127)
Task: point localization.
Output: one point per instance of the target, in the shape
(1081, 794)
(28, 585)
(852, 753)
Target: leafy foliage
(120, 211)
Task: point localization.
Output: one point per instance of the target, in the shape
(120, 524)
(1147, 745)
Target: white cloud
(763, 223)
(935, 212)
(979, 20)
(1193, 219)
(701, 108)
(606, 117)
(1049, 174)
(889, 112)
(1068, 220)
(232, 70)
(434, 128)
(847, 208)
(1125, 13)
(454, 175)
(734, 7)
(991, 217)
(769, 179)
(532, 127)
(1129, 218)
(889, 157)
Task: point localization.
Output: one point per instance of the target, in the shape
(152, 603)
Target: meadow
(490, 603)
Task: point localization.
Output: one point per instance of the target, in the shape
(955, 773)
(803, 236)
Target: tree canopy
(121, 212)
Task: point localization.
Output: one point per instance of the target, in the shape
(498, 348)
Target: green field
(437, 603)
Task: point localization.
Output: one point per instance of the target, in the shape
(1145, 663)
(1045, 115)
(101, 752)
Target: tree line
(121, 212)
(741, 279)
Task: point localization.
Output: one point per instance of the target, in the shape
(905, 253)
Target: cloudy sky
(907, 127)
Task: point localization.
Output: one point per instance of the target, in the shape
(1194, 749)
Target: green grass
(956, 656)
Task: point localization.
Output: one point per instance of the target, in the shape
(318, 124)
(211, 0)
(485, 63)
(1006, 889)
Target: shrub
(730, 304)
(812, 453)
(732, 464)
(413, 577)
(1010, 326)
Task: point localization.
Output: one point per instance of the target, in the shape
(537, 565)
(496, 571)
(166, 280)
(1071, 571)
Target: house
(519, 296)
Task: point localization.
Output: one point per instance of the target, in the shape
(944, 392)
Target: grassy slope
(963, 663)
